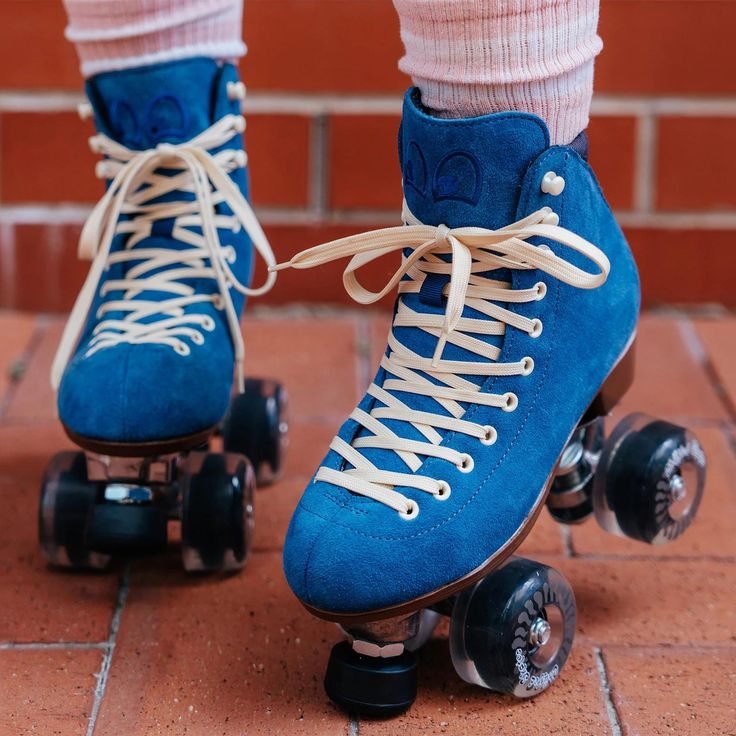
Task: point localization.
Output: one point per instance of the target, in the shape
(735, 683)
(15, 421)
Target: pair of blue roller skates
(513, 336)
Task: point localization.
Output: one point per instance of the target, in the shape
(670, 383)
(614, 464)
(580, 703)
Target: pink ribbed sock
(120, 34)
(472, 57)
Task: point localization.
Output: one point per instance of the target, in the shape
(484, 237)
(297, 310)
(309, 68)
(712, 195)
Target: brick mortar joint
(262, 102)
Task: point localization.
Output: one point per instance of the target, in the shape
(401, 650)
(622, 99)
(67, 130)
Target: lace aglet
(438, 350)
(241, 377)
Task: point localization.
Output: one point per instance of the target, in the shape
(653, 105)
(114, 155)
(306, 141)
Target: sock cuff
(120, 34)
(471, 57)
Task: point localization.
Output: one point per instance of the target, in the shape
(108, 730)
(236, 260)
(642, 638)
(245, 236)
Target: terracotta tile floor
(146, 650)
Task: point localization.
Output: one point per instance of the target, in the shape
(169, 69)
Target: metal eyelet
(541, 288)
(412, 513)
(512, 401)
(182, 349)
(536, 330)
(466, 463)
(444, 492)
(197, 338)
(491, 435)
(527, 365)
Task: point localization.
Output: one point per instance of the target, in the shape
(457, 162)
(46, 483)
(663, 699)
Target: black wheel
(256, 425)
(570, 499)
(216, 511)
(650, 480)
(127, 528)
(372, 686)
(512, 631)
(67, 501)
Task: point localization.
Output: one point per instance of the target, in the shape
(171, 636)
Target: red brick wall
(324, 97)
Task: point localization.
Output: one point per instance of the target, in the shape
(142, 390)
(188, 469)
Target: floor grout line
(587, 557)
(695, 647)
(353, 726)
(52, 645)
(123, 590)
(613, 716)
(25, 359)
(700, 355)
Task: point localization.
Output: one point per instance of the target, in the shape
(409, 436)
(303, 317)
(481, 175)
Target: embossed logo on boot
(457, 177)
(163, 119)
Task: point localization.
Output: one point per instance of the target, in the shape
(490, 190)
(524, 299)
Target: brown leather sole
(141, 449)
(614, 387)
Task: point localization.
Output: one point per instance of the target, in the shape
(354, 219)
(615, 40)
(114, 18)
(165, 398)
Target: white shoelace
(472, 250)
(134, 182)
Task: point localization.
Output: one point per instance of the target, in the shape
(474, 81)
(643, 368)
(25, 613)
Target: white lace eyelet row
(444, 493)
(512, 401)
(411, 513)
(490, 437)
(466, 463)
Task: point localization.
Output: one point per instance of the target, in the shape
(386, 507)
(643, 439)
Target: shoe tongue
(142, 107)
(466, 172)
(162, 103)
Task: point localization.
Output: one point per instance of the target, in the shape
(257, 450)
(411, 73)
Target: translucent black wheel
(512, 631)
(127, 528)
(216, 511)
(256, 426)
(372, 686)
(649, 481)
(67, 501)
(570, 499)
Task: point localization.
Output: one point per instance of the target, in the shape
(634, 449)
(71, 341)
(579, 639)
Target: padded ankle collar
(170, 102)
(466, 171)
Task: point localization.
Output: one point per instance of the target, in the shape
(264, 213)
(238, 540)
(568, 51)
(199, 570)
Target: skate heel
(614, 387)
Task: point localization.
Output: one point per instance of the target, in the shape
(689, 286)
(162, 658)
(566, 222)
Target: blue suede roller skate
(145, 366)
(512, 337)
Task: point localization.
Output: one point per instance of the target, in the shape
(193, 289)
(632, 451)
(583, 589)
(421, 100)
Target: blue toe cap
(142, 393)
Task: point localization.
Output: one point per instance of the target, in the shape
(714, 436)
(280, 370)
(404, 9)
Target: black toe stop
(371, 686)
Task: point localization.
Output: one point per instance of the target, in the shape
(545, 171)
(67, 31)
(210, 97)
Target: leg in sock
(472, 57)
(121, 34)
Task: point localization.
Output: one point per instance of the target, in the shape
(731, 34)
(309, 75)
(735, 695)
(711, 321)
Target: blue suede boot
(148, 354)
(518, 296)
(145, 367)
(512, 337)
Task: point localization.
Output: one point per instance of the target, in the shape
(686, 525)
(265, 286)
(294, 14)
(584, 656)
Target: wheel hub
(540, 632)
